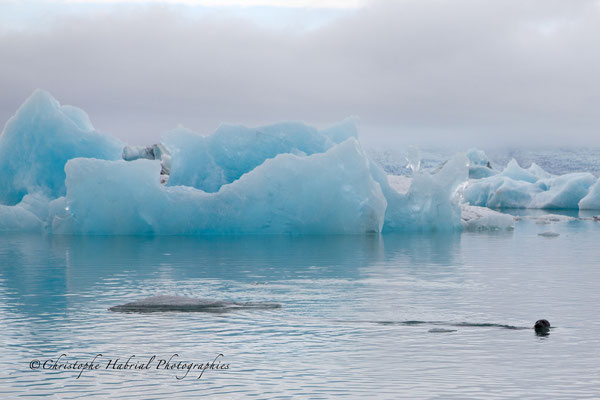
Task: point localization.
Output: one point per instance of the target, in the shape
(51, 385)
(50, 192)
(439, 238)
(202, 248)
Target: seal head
(542, 327)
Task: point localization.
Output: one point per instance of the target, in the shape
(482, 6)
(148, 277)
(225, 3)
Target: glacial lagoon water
(380, 316)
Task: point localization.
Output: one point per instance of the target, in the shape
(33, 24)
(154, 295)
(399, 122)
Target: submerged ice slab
(549, 234)
(189, 304)
(38, 141)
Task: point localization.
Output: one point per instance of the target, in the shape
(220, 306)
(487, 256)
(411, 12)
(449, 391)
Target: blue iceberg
(431, 202)
(517, 187)
(479, 164)
(592, 200)
(209, 162)
(37, 142)
(61, 176)
(331, 192)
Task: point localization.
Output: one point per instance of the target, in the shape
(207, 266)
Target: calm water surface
(342, 331)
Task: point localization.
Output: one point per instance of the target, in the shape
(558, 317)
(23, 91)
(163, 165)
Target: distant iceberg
(479, 164)
(592, 200)
(517, 187)
(61, 176)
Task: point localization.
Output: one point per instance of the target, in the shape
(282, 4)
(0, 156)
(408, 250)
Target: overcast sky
(472, 72)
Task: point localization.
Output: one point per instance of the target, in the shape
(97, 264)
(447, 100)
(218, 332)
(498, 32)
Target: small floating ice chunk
(549, 234)
(188, 304)
(480, 218)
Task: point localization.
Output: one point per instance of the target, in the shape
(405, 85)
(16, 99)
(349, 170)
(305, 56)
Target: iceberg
(592, 200)
(473, 218)
(63, 177)
(336, 192)
(37, 142)
(209, 162)
(331, 192)
(479, 164)
(478, 158)
(19, 218)
(430, 203)
(517, 187)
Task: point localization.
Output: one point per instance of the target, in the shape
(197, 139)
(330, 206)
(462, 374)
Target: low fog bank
(446, 73)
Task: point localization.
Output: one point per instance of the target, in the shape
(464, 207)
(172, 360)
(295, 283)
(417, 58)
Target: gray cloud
(414, 71)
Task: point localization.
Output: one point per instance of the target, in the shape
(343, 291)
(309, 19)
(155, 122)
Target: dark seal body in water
(542, 327)
(188, 304)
